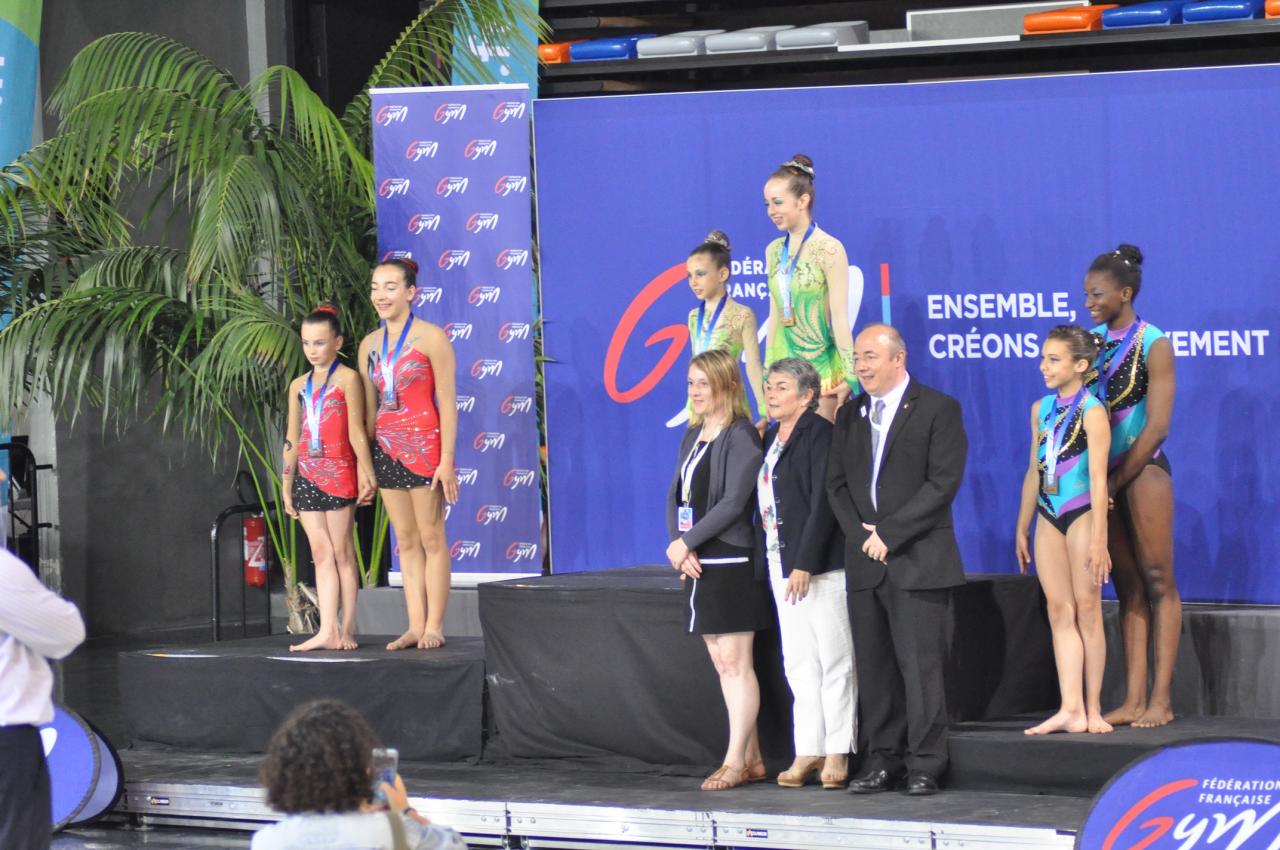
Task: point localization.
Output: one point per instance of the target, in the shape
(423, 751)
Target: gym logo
(428, 295)
(477, 148)
(486, 440)
(423, 221)
(454, 259)
(519, 478)
(509, 183)
(449, 186)
(464, 549)
(458, 330)
(518, 552)
(397, 255)
(486, 367)
(391, 114)
(482, 221)
(466, 403)
(421, 149)
(513, 330)
(393, 186)
(513, 404)
(508, 110)
(468, 476)
(484, 295)
(491, 513)
(511, 257)
(447, 112)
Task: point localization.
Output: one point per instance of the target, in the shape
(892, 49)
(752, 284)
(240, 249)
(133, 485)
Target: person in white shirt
(318, 772)
(35, 625)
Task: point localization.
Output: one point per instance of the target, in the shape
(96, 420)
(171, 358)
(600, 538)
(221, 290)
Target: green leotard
(726, 335)
(810, 338)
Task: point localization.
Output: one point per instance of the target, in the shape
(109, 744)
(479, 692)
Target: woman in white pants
(804, 546)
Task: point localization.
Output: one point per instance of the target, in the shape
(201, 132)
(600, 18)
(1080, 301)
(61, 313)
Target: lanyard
(315, 405)
(787, 266)
(687, 469)
(1108, 366)
(703, 339)
(1055, 434)
(388, 365)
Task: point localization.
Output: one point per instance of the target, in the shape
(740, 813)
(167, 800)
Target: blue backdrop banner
(451, 167)
(978, 206)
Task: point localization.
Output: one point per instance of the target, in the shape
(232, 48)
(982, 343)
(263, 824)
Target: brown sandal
(757, 772)
(796, 778)
(718, 781)
(835, 781)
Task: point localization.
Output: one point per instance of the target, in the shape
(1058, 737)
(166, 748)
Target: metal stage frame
(500, 806)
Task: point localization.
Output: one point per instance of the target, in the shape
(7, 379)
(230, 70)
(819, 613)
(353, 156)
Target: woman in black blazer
(709, 522)
(804, 555)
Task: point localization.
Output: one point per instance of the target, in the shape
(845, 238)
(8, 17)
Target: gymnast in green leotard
(808, 286)
(720, 322)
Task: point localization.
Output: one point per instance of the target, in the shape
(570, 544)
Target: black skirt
(727, 599)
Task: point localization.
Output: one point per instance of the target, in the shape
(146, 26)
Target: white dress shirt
(35, 624)
(891, 400)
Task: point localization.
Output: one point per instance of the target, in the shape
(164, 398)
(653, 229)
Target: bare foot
(1098, 724)
(320, 640)
(1063, 721)
(1124, 715)
(1155, 715)
(431, 640)
(408, 640)
(348, 641)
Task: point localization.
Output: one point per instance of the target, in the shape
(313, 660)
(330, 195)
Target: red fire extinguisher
(254, 530)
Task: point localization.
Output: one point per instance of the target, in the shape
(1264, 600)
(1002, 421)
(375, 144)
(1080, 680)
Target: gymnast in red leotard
(327, 468)
(411, 410)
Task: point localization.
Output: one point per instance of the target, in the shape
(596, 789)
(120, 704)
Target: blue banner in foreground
(452, 171)
(978, 207)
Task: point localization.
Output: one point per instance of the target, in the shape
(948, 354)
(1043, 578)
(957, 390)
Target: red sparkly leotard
(335, 472)
(409, 434)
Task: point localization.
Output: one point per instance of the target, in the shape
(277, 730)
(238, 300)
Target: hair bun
(717, 237)
(802, 163)
(326, 308)
(1129, 253)
(411, 263)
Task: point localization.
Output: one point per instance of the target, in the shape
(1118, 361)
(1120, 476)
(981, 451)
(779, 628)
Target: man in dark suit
(897, 458)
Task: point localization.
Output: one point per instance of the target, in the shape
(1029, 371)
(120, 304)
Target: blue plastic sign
(1218, 795)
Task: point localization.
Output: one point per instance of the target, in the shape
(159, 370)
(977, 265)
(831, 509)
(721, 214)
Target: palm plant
(158, 253)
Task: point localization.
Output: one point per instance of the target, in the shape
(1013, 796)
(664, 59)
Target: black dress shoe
(921, 785)
(872, 782)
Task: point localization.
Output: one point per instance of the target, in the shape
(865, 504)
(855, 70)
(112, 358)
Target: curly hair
(319, 760)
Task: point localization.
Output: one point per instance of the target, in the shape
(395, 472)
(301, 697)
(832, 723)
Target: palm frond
(424, 54)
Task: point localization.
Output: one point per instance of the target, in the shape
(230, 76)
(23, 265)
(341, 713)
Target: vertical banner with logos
(19, 66)
(451, 167)
(978, 206)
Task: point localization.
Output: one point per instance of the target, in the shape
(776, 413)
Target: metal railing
(28, 504)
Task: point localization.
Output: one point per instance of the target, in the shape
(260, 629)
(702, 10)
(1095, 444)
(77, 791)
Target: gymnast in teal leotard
(1137, 383)
(1066, 484)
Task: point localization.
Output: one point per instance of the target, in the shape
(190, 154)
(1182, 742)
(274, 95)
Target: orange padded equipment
(1070, 19)
(1273, 8)
(556, 53)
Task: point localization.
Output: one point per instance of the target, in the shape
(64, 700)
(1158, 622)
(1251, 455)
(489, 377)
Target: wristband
(408, 810)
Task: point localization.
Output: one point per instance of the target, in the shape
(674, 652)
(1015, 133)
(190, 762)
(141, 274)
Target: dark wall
(136, 508)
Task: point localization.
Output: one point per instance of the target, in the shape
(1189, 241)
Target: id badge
(1050, 484)
(684, 519)
(315, 449)
(390, 401)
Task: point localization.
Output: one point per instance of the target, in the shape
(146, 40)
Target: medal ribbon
(703, 340)
(314, 402)
(1054, 435)
(1108, 366)
(388, 365)
(787, 267)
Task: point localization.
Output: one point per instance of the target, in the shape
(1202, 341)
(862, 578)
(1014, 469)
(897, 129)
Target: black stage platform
(598, 665)
(231, 696)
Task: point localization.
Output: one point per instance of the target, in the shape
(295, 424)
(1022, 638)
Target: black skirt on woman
(728, 598)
